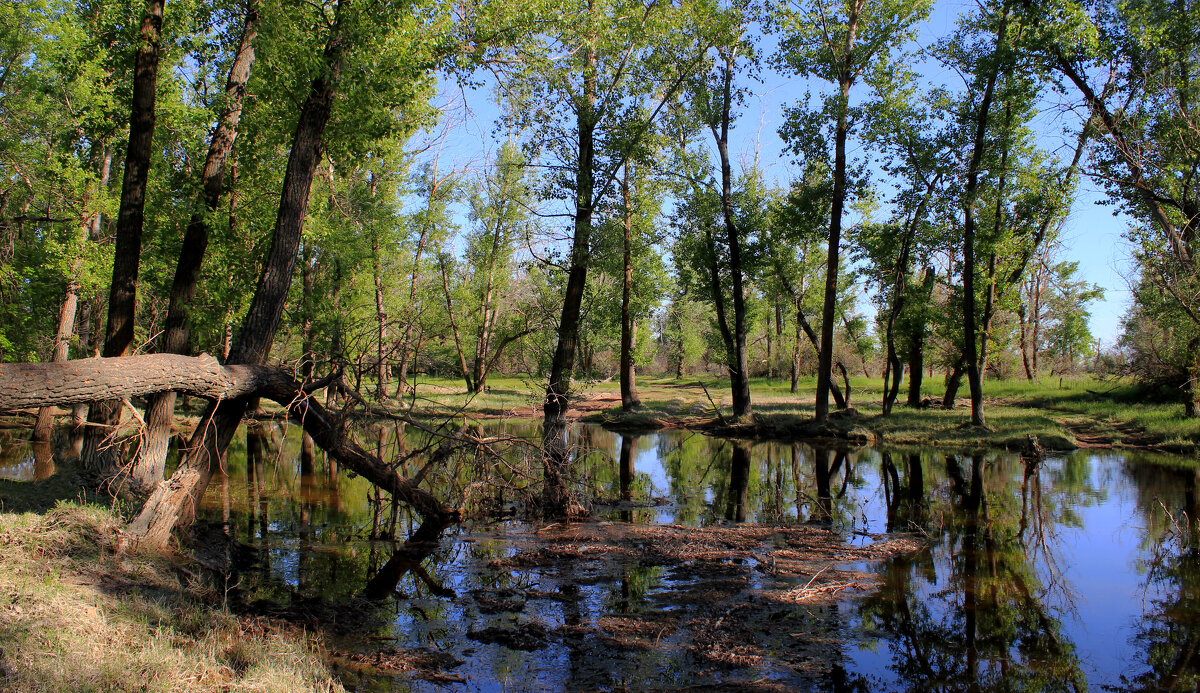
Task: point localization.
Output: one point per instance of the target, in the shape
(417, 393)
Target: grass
(75, 616)
(1063, 413)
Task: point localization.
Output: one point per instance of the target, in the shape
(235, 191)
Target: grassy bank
(76, 616)
(1064, 413)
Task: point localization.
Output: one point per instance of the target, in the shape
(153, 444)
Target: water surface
(1080, 572)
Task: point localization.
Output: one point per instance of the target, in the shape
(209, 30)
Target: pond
(1079, 572)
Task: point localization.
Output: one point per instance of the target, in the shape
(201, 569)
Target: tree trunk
(160, 411)
(556, 495)
(916, 348)
(407, 348)
(739, 371)
(825, 357)
(839, 399)
(767, 335)
(127, 250)
(563, 364)
(1024, 321)
(381, 369)
(23, 385)
(1191, 391)
(916, 370)
(62, 346)
(796, 361)
(970, 325)
(172, 503)
(1035, 341)
(629, 398)
(487, 325)
(952, 382)
(462, 360)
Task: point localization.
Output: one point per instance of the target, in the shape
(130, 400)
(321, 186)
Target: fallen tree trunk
(26, 385)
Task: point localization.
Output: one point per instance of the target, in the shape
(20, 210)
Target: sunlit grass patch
(77, 616)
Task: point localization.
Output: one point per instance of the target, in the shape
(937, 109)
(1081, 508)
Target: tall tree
(486, 313)
(913, 146)
(717, 220)
(580, 94)
(127, 248)
(838, 43)
(352, 34)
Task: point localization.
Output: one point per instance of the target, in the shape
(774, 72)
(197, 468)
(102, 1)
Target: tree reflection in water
(990, 604)
(970, 612)
(1168, 636)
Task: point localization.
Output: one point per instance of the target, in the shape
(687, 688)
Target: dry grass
(75, 616)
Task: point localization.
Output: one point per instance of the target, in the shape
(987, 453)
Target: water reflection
(1073, 572)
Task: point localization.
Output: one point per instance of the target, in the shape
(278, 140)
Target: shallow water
(1081, 572)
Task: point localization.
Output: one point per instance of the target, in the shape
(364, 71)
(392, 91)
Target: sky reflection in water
(1079, 573)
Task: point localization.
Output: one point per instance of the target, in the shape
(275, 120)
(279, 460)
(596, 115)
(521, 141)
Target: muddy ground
(732, 608)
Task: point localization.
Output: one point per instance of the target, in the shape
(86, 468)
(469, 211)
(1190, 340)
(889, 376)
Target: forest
(331, 211)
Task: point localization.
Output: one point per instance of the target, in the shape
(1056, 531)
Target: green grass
(1062, 413)
(504, 396)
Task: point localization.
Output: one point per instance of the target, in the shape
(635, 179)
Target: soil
(1093, 434)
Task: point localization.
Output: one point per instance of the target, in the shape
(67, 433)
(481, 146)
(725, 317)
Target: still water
(1078, 573)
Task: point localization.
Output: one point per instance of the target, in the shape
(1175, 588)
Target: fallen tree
(27, 385)
(236, 387)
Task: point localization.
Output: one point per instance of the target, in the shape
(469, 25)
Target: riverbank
(77, 616)
(1064, 414)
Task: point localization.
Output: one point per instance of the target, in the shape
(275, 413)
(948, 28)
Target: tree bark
(487, 325)
(462, 359)
(381, 369)
(1022, 316)
(916, 347)
(1191, 389)
(27, 385)
(795, 389)
(952, 382)
(23, 385)
(839, 398)
(127, 250)
(825, 357)
(556, 495)
(160, 411)
(555, 406)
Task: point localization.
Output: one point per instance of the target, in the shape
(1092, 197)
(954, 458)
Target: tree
(838, 43)
(127, 247)
(915, 143)
(1147, 153)
(791, 250)
(716, 220)
(489, 314)
(152, 452)
(353, 34)
(579, 93)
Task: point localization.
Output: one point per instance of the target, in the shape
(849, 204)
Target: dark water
(1079, 573)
